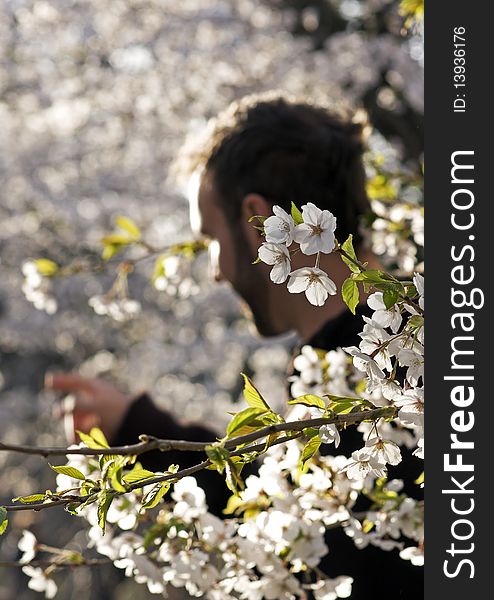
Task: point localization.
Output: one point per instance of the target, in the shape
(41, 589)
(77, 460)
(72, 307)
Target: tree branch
(295, 426)
(149, 443)
(86, 562)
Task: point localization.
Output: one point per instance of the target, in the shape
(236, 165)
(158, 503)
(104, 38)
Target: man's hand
(98, 403)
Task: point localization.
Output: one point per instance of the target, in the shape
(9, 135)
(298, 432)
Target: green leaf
(137, 474)
(95, 439)
(420, 479)
(233, 480)
(116, 239)
(390, 297)
(69, 471)
(110, 250)
(218, 456)
(103, 506)
(347, 246)
(260, 218)
(3, 519)
(30, 499)
(310, 432)
(116, 480)
(416, 321)
(373, 276)
(296, 215)
(350, 294)
(46, 267)
(342, 408)
(234, 502)
(252, 395)
(310, 448)
(243, 418)
(309, 400)
(72, 508)
(129, 226)
(99, 437)
(155, 494)
(367, 526)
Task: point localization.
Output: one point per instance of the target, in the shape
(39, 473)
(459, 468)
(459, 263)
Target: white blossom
(414, 554)
(38, 289)
(314, 282)
(382, 316)
(27, 545)
(364, 464)
(376, 341)
(316, 233)
(278, 256)
(329, 434)
(331, 589)
(418, 281)
(366, 364)
(279, 227)
(118, 309)
(414, 360)
(190, 499)
(411, 405)
(308, 364)
(383, 451)
(419, 451)
(40, 582)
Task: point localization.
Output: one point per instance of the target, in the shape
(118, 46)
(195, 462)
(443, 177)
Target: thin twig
(87, 562)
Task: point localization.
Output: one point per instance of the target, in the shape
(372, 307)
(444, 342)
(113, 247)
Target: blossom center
(316, 230)
(313, 278)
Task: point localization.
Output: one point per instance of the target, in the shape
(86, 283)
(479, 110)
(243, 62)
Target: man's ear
(254, 205)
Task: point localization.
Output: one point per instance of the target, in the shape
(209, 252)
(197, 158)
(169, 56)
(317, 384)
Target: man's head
(266, 150)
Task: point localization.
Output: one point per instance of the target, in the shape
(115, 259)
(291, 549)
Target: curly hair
(286, 150)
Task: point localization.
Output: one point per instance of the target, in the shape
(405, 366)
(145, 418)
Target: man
(263, 151)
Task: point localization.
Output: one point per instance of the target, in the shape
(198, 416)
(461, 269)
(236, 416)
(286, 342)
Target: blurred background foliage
(95, 100)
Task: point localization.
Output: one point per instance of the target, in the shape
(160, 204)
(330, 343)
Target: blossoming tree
(155, 525)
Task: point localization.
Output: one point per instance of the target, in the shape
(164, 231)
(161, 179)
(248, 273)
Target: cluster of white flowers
(322, 373)
(38, 289)
(235, 558)
(118, 309)
(115, 303)
(387, 370)
(397, 233)
(260, 555)
(282, 514)
(173, 276)
(381, 353)
(40, 581)
(315, 235)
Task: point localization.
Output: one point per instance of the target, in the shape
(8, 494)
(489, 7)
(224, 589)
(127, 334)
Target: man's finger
(68, 382)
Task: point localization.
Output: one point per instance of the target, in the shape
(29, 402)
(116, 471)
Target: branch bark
(149, 443)
(295, 426)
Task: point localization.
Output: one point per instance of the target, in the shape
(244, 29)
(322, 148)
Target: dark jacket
(378, 575)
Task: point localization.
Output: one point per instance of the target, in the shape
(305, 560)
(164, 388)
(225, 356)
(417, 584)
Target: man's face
(230, 254)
